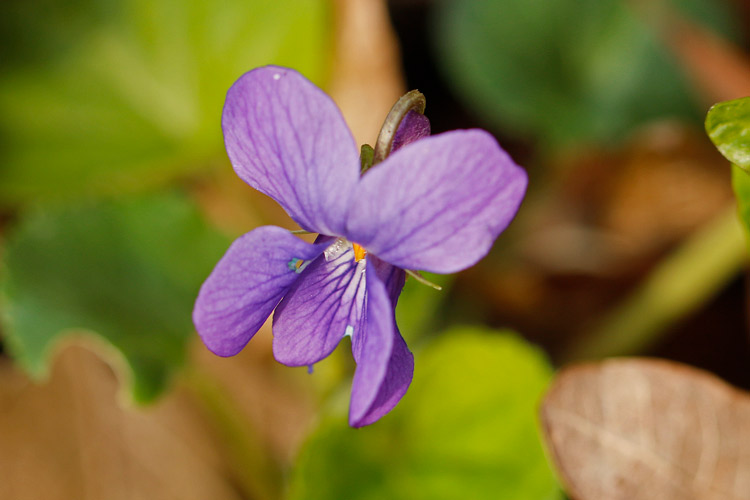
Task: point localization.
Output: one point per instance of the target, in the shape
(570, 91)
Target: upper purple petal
(438, 204)
(384, 364)
(413, 127)
(286, 138)
(316, 312)
(245, 286)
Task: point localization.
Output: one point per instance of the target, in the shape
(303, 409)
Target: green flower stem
(258, 476)
(694, 273)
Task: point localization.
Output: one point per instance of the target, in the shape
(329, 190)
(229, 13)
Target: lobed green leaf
(126, 273)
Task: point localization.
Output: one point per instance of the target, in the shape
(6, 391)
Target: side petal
(413, 127)
(245, 286)
(384, 364)
(286, 138)
(325, 304)
(437, 204)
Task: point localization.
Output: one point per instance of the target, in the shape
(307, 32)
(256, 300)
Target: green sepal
(366, 156)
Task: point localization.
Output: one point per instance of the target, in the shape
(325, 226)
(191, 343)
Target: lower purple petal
(245, 286)
(392, 277)
(384, 364)
(326, 303)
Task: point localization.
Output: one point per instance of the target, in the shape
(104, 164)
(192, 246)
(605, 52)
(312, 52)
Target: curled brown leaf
(648, 429)
(70, 439)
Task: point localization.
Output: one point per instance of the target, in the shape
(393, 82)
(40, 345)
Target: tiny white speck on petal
(337, 249)
(276, 76)
(349, 331)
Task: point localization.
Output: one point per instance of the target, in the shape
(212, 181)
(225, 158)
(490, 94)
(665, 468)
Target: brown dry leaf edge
(70, 438)
(647, 429)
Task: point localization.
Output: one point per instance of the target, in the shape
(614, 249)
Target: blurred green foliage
(127, 271)
(112, 97)
(125, 95)
(465, 429)
(419, 306)
(564, 71)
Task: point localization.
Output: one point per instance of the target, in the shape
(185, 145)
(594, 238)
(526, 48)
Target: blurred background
(117, 199)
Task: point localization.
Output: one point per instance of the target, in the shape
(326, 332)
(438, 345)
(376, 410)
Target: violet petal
(392, 277)
(245, 286)
(413, 127)
(438, 204)
(384, 364)
(316, 312)
(286, 138)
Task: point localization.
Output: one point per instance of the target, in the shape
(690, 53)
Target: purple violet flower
(435, 204)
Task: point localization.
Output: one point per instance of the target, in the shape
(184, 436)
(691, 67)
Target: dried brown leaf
(71, 439)
(367, 78)
(717, 68)
(647, 429)
(275, 400)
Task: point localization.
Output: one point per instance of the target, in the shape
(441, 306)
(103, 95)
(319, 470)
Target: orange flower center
(359, 252)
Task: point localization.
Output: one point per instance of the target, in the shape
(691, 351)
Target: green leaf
(741, 185)
(565, 70)
(467, 428)
(728, 126)
(127, 272)
(136, 100)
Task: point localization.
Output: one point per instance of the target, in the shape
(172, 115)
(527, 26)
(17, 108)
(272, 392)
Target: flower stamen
(297, 265)
(359, 252)
(422, 279)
